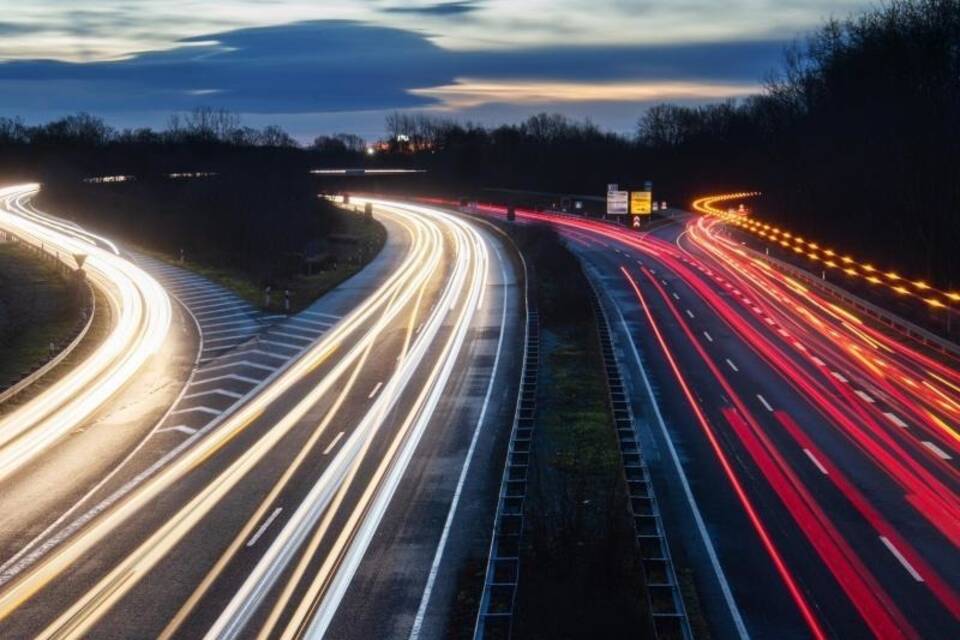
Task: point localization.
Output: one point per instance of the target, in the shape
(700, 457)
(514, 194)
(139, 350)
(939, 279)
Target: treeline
(854, 140)
(204, 139)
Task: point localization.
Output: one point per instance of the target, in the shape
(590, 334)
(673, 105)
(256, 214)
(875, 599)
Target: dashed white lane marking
(278, 343)
(315, 323)
(940, 453)
(769, 321)
(248, 322)
(764, 402)
(333, 443)
(866, 397)
(321, 313)
(689, 313)
(220, 392)
(814, 460)
(838, 376)
(899, 556)
(895, 419)
(419, 326)
(228, 376)
(182, 428)
(263, 527)
(202, 409)
(675, 295)
(663, 281)
(783, 333)
(817, 361)
(292, 336)
(230, 307)
(732, 366)
(375, 389)
(707, 336)
(236, 336)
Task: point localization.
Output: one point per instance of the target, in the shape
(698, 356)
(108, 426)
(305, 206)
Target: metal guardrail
(664, 597)
(44, 369)
(888, 318)
(495, 615)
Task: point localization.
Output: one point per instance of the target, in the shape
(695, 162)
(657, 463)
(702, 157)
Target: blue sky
(319, 67)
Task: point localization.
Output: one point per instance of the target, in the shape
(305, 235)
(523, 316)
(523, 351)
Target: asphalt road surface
(324, 499)
(805, 457)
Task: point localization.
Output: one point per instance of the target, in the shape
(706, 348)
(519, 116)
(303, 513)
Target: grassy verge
(580, 570)
(242, 230)
(38, 307)
(365, 238)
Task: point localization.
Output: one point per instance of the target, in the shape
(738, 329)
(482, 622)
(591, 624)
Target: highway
(805, 457)
(263, 525)
(140, 311)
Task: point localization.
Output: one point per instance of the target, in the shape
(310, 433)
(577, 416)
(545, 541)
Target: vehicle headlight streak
(339, 565)
(142, 313)
(380, 309)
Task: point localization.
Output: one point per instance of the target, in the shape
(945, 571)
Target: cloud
(438, 9)
(467, 93)
(16, 29)
(342, 67)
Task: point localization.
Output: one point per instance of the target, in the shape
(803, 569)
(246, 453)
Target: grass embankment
(242, 231)
(39, 306)
(360, 240)
(580, 574)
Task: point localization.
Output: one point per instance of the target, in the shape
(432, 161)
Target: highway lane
(819, 448)
(141, 313)
(300, 475)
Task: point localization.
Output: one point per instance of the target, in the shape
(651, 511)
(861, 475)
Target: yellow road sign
(641, 202)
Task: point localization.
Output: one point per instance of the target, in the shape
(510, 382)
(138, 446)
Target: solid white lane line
(375, 389)
(707, 336)
(211, 411)
(838, 377)
(940, 453)
(899, 556)
(764, 402)
(814, 460)
(455, 502)
(182, 428)
(333, 443)
(320, 313)
(705, 538)
(732, 366)
(222, 392)
(689, 313)
(895, 419)
(228, 376)
(263, 527)
(866, 397)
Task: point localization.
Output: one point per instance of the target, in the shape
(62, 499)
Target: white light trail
(139, 305)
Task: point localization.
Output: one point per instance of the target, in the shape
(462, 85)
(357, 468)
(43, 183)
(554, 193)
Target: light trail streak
(785, 324)
(317, 606)
(352, 338)
(827, 258)
(142, 313)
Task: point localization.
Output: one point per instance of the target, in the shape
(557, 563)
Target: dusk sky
(320, 67)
